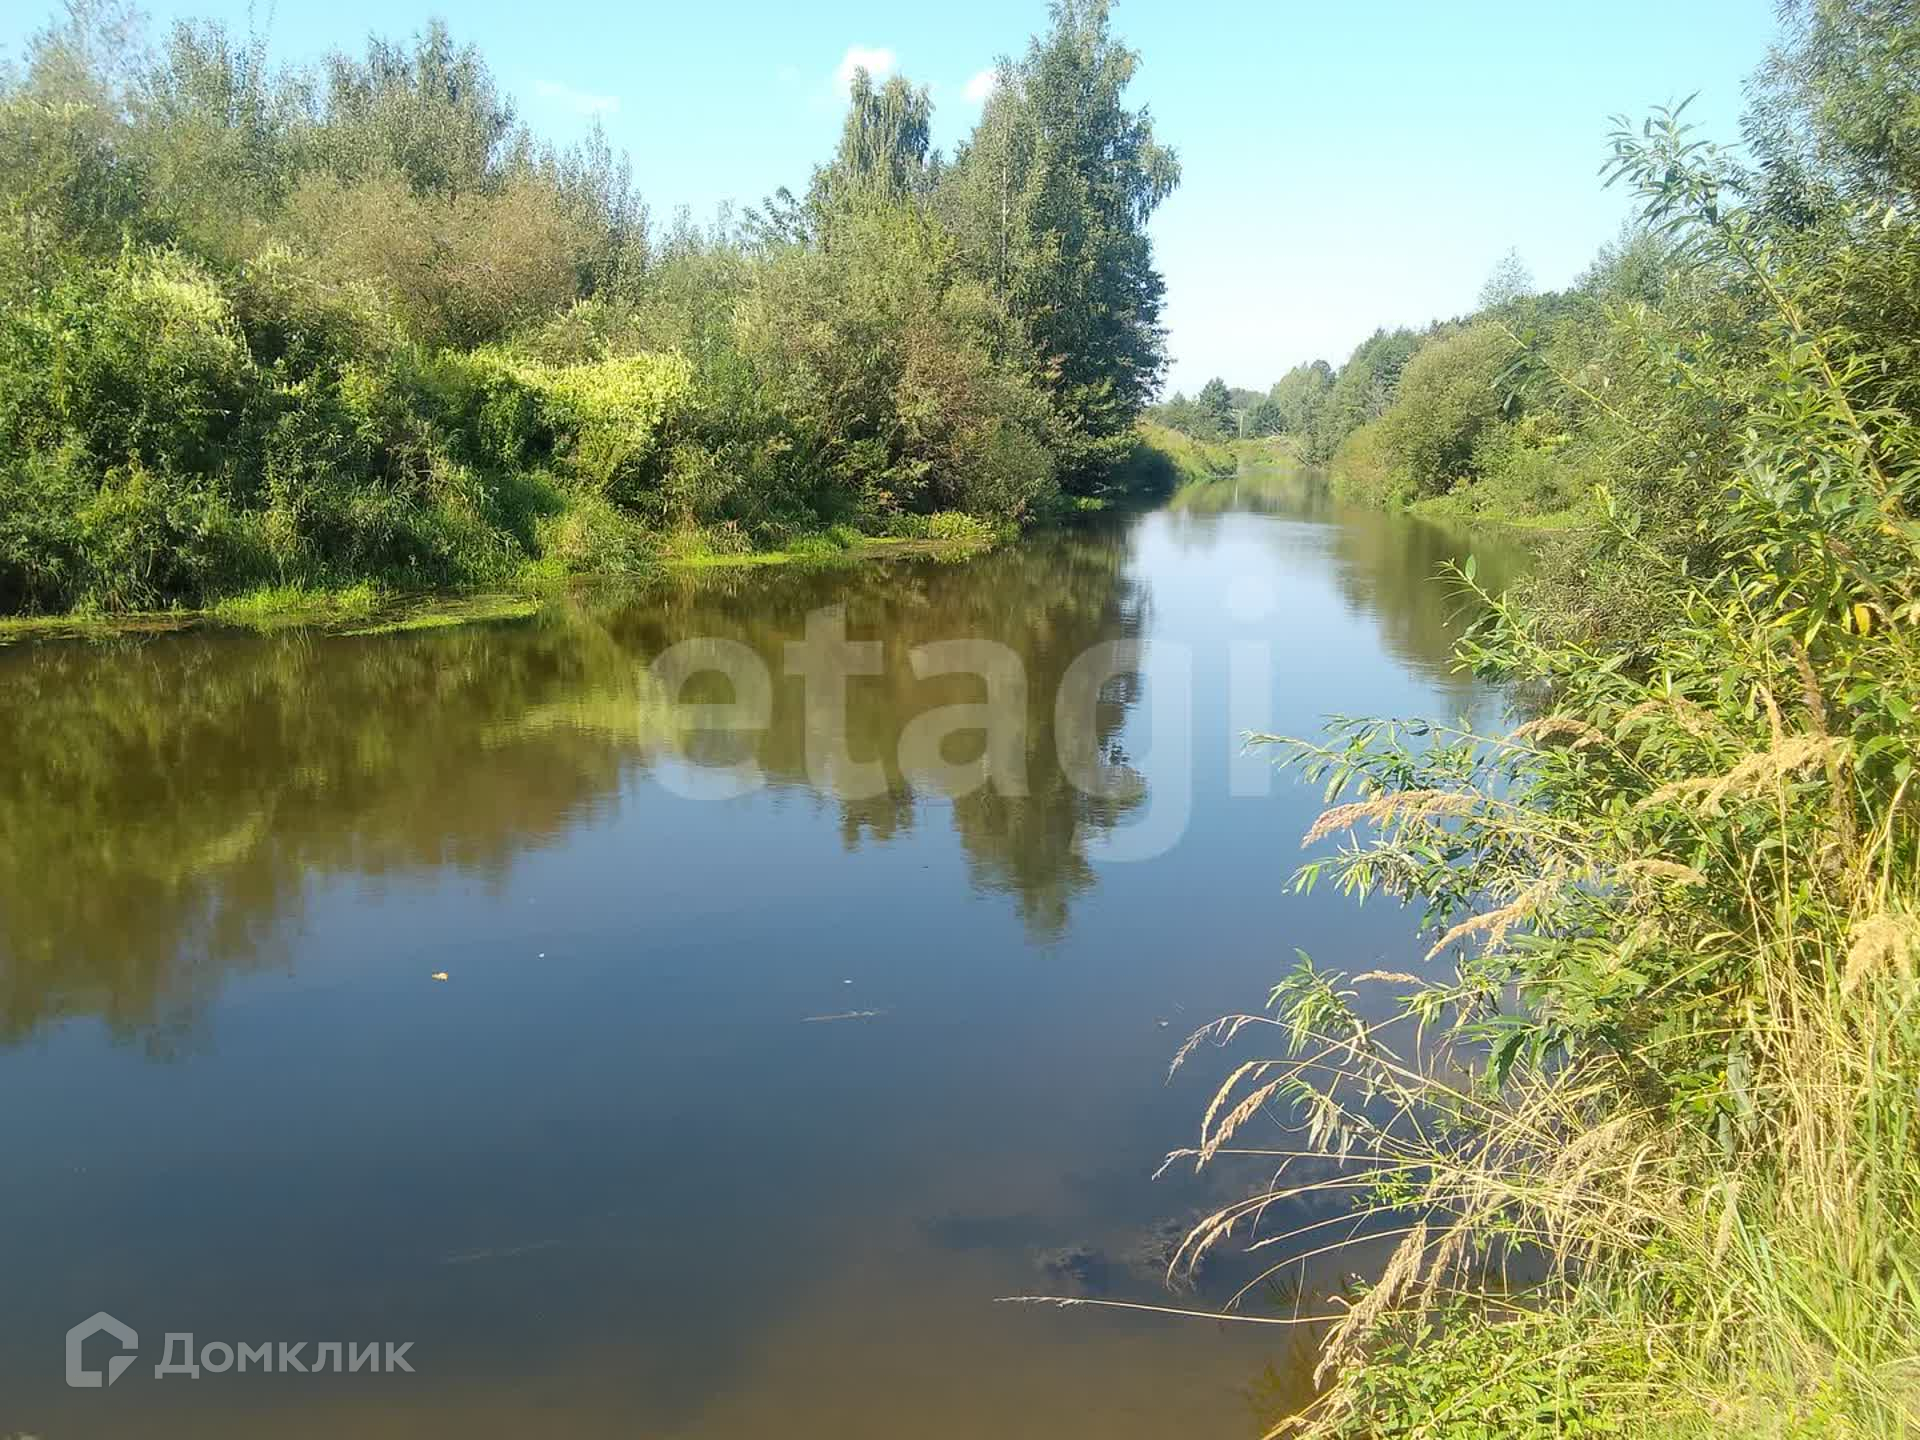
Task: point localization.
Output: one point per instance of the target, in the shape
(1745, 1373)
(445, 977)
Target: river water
(734, 1113)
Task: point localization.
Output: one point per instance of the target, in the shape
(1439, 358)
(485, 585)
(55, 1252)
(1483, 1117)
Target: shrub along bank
(296, 329)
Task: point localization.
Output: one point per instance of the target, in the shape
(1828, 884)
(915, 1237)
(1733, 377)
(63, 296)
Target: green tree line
(275, 325)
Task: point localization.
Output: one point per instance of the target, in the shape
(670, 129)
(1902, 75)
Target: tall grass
(1651, 1152)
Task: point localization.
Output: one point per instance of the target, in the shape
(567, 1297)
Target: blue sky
(1346, 166)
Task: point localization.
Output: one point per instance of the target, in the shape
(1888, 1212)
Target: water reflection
(1386, 566)
(166, 800)
(607, 1174)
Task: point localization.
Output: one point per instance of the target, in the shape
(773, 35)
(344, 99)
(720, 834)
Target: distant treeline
(1419, 413)
(1616, 409)
(301, 326)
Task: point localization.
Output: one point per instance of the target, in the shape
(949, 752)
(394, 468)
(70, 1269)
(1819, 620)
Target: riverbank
(1162, 460)
(1638, 1111)
(367, 608)
(1357, 475)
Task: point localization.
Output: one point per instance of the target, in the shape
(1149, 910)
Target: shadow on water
(729, 1116)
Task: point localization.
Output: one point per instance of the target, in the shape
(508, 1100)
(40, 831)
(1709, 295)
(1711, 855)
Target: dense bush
(1447, 398)
(608, 422)
(1363, 471)
(301, 327)
(460, 269)
(911, 378)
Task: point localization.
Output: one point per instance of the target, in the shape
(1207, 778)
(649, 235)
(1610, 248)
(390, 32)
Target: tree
(1362, 390)
(884, 158)
(1216, 409)
(1835, 106)
(1265, 418)
(1049, 199)
(884, 145)
(431, 112)
(1508, 281)
(1446, 397)
(905, 373)
(1297, 396)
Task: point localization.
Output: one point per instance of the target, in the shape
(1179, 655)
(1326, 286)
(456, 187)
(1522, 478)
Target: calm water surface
(614, 1175)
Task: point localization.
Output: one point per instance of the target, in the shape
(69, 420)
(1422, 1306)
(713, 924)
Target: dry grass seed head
(1788, 755)
(1554, 726)
(1684, 713)
(1494, 925)
(1346, 1339)
(1881, 942)
(1403, 804)
(1662, 870)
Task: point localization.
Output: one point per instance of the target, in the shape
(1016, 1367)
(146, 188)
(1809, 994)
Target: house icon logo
(78, 1375)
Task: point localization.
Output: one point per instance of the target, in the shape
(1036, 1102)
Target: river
(764, 1060)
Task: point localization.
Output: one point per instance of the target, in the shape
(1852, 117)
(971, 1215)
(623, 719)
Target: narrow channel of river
(730, 1116)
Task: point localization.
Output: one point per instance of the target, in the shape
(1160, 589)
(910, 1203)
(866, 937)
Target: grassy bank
(1158, 463)
(1640, 1126)
(356, 607)
(1166, 459)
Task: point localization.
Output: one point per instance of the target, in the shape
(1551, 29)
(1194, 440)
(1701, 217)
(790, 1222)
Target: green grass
(364, 608)
(442, 614)
(1459, 508)
(1178, 458)
(274, 606)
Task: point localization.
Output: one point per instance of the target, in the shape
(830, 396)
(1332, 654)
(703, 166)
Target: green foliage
(610, 422)
(1362, 470)
(1671, 1063)
(1265, 419)
(218, 139)
(1165, 459)
(1523, 471)
(431, 114)
(589, 535)
(1297, 398)
(1215, 407)
(460, 269)
(1462, 1373)
(1361, 391)
(144, 363)
(1211, 416)
(1049, 201)
(908, 379)
(884, 148)
(1835, 107)
(295, 327)
(1509, 283)
(950, 527)
(1447, 397)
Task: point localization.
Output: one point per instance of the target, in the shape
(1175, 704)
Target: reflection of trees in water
(164, 803)
(1391, 566)
(1049, 600)
(1289, 490)
(1386, 565)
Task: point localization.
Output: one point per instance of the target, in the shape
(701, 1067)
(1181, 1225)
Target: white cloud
(578, 101)
(876, 60)
(981, 86)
